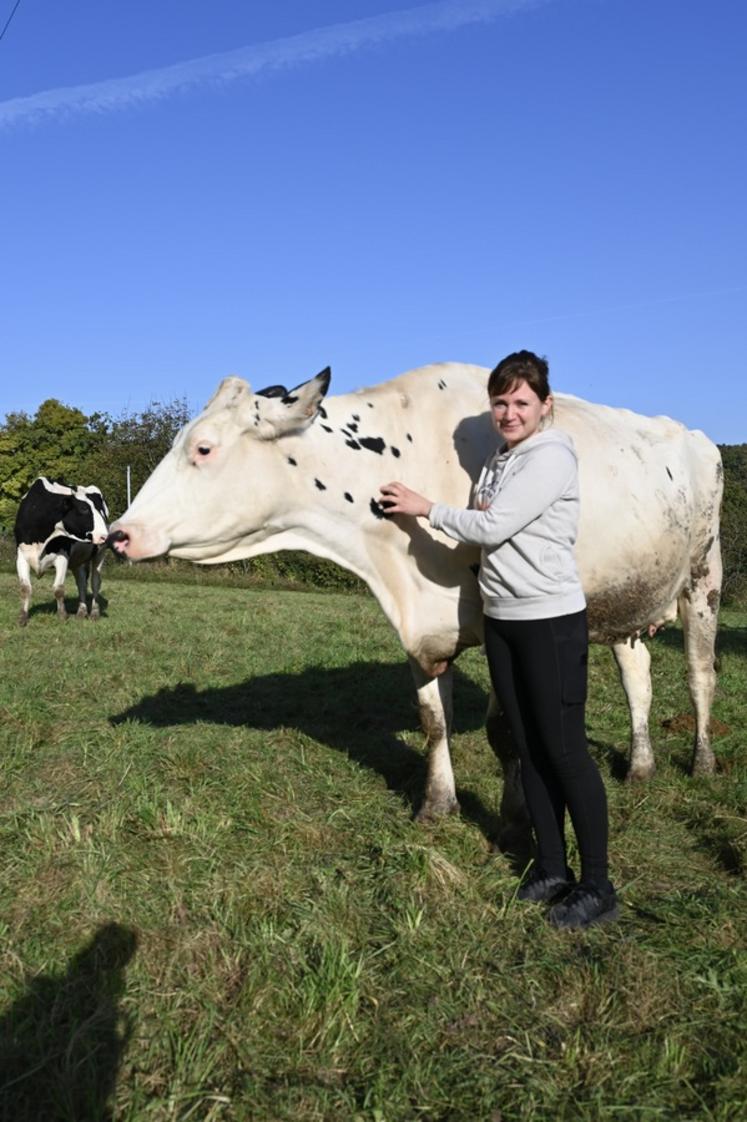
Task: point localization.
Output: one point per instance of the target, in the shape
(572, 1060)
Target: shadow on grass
(43, 607)
(617, 760)
(356, 709)
(61, 1044)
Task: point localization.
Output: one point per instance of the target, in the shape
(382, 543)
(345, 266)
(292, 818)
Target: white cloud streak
(262, 58)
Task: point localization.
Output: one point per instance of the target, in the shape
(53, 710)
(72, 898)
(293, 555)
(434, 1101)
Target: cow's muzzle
(118, 540)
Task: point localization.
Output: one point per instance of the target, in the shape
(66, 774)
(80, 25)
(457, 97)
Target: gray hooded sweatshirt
(527, 529)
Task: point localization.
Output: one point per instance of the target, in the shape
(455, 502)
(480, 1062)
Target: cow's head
(85, 515)
(218, 487)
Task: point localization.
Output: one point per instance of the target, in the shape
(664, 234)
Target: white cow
(257, 473)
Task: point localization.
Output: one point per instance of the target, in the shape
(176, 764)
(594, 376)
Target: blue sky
(191, 190)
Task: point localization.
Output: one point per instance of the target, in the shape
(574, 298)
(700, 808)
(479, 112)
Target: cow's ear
(296, 409)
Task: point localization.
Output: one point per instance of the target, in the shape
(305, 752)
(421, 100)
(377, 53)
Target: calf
(60, 527)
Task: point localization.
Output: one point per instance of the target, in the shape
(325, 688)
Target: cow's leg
(514, 820)
(24, 578)
(58, 585)
(81, 577)
(634, 663)
(698, 606)
(96, 567)
(435, 703)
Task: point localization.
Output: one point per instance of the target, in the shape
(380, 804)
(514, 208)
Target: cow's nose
(118, 540)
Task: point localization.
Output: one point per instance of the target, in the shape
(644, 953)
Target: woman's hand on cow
(398, 499)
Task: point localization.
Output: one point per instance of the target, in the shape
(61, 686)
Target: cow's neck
(330, 496)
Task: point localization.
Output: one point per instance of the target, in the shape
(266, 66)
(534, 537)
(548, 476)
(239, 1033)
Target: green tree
(138, 441)
(55, 442)
(63, 443)
(734, 521)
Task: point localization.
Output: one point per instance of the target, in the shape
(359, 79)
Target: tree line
(61, 442)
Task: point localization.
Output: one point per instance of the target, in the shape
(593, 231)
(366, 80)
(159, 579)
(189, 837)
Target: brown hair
(521, 366)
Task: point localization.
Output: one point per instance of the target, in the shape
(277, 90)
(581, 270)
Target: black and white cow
(60, 527)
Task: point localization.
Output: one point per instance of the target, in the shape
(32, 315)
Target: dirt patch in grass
(685, 722)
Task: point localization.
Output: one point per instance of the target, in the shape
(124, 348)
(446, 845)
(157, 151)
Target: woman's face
(518, 413)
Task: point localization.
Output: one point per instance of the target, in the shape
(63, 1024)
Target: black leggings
(538, 668)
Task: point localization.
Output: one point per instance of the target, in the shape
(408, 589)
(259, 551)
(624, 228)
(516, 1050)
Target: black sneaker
(585, 905)
(543, 888)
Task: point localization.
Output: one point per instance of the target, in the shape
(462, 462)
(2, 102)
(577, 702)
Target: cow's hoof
(637, 774)
(704, 765)
(23, 619)
(434, 809)
(81, 613)
(94, 614)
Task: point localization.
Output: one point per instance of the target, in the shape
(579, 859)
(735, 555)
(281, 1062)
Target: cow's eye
(203, 450)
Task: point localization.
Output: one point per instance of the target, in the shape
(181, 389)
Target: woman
(526, 519)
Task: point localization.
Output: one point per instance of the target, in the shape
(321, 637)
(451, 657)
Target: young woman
(525, 519)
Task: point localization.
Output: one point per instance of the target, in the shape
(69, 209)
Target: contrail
(246, 62)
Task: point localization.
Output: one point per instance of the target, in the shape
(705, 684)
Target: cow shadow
(62, 1042)
(357, 709)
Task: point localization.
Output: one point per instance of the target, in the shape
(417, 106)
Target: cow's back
(40, 509)
(650, 497)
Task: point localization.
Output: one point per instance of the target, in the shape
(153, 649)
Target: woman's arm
(542, 480)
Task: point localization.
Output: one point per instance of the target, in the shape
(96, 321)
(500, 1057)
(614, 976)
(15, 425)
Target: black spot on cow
(442, 384)
(98, 502)
(379, 510)
(61, 544)
(292, 462)
(352, 426)
(475, 568)
(353, 444)
(319, 485)
(322, 412)
(369, 404)
(271, 391)
(373, 444)
(408, 437)
(327, 428)
(396, 452)
(670, 474)
(356, 417)
(290, 399)
(349, 497)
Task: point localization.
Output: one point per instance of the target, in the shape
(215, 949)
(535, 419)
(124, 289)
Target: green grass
(215, 903)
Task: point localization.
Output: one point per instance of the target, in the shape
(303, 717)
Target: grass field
(215, 903)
